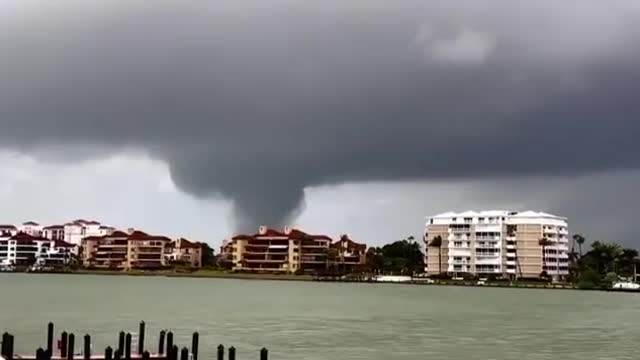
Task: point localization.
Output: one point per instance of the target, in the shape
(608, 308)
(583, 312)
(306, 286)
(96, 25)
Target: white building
(27, 250)
(498, 242)
(31, 227)
(77, 230)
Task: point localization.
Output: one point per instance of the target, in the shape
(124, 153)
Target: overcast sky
(360, 117)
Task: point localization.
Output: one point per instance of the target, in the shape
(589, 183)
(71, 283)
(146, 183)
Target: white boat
(392, 278)
(625, 285)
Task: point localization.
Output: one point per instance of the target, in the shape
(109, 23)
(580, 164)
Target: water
(298, 320)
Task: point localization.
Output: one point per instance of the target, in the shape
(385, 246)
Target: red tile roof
(32, 223)
(60, 243)
(242, 237)
(53, 227)
(184, 243)
(7, 227)
(24, 237)
(293, 234)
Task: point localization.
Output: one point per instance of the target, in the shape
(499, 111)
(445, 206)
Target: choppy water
(298, 320)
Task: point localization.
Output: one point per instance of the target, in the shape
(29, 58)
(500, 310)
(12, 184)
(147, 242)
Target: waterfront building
(349, 254)
(269, 250)
(124, 251)
(53, 232)
(500, 243)
(31, 228)
(185, 251)
(23, 249)
(77, 230)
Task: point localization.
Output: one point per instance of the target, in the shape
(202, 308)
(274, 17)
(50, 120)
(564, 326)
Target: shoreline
(214, 274)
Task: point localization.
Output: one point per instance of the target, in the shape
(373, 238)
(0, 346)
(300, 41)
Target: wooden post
(108, 353)
(117, 355)
(72, 341)
(169, 341)
(127, 347)
(194, 345)
(184, 354)
(9, 350)
(146, 355)
(63, 345)
(220, 352)
(40, 354)
(174, 352)
(161, 342)
(50, 338)
(121, 343)
(87, 347)
(264, 354)
(232, 353)
(141, 332)
(3, 352)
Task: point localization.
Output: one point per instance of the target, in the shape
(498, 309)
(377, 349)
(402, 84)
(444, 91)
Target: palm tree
(544, 242)
(579, 239)
(437, 242)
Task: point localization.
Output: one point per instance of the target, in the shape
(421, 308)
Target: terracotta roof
(118, 233)
(272, 233)
(141, 235)
(242, 237)
(24, 237)
(8, 227)
(60, 243)
(90, 238)
(53, 227)
(32, 223)
(184, 243)
(350, 244)
(105, 227)
(293, 234)
(93, 222)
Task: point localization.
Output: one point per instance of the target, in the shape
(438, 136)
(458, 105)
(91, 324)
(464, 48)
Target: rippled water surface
(299, 320)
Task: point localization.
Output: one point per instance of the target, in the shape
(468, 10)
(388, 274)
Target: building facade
(124, 251)
(349, 255)
(499, 243)
(185, 251)
(77, 230)
(269, 250)
(23, 249)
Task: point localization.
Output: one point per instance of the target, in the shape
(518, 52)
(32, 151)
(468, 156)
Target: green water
(306, 320)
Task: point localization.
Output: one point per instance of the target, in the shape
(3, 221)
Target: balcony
(511, 255)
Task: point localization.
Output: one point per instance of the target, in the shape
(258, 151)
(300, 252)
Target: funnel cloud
(254, 101)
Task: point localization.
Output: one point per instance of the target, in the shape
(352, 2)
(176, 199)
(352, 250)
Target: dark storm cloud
(256, 100)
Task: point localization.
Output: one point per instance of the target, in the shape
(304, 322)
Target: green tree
(437, 242)
(208, 257)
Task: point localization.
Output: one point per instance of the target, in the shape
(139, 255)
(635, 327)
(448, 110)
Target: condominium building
(124, 251)
(77, 230)
(502, 243)
(269, 250)
(185, 251)
(23, 249)
(349, 254)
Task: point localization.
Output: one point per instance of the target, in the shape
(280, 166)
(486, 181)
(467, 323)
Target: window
(454, 219)
(481, 220)
(431, 221)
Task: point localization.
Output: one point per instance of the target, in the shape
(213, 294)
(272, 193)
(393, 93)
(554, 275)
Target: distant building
(499, 243)
(23, 249)
(349, 254)
(77, 230)
(53, 232)
(269, 250)
(31, 228)
(124, 251)
(183, 250)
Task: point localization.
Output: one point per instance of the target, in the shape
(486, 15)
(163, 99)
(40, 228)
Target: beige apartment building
(124, 251)
(185, 251)
(269, 250)
(501, 243)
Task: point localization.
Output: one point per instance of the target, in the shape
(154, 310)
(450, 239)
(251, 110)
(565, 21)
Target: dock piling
(264, 354)
(121, 343)
(184, 354)
(161, 342)
(174, 352)
(141, 332)
(108, 353)
(63, 344)
(220, 352)
(50, 338)
(40, 354)
(146, 355)
(169, 342)
(127, 347)
(87, 347)
(194, 345)
(72, 343)
(3, 352)
(232, 353)
(117, 355)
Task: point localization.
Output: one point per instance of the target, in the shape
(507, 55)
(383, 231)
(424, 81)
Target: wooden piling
(161, 342)
(220, 352)
(87, 347)
(141, 331)
(264, 354)
(174, 352)
(169, 342)
(3, 352)
(146, 355)
(127, 347)
(121, 343)
(117, 355)
(232, 353)
(63, 344)
(72, 343)
(50, 338)
(184, 354)
(108, 353)
(195, 339)
(40, 354)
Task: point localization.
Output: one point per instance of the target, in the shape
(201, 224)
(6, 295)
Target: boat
(625, 286)
(392, 278)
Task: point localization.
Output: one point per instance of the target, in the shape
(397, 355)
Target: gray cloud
(255, 101)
